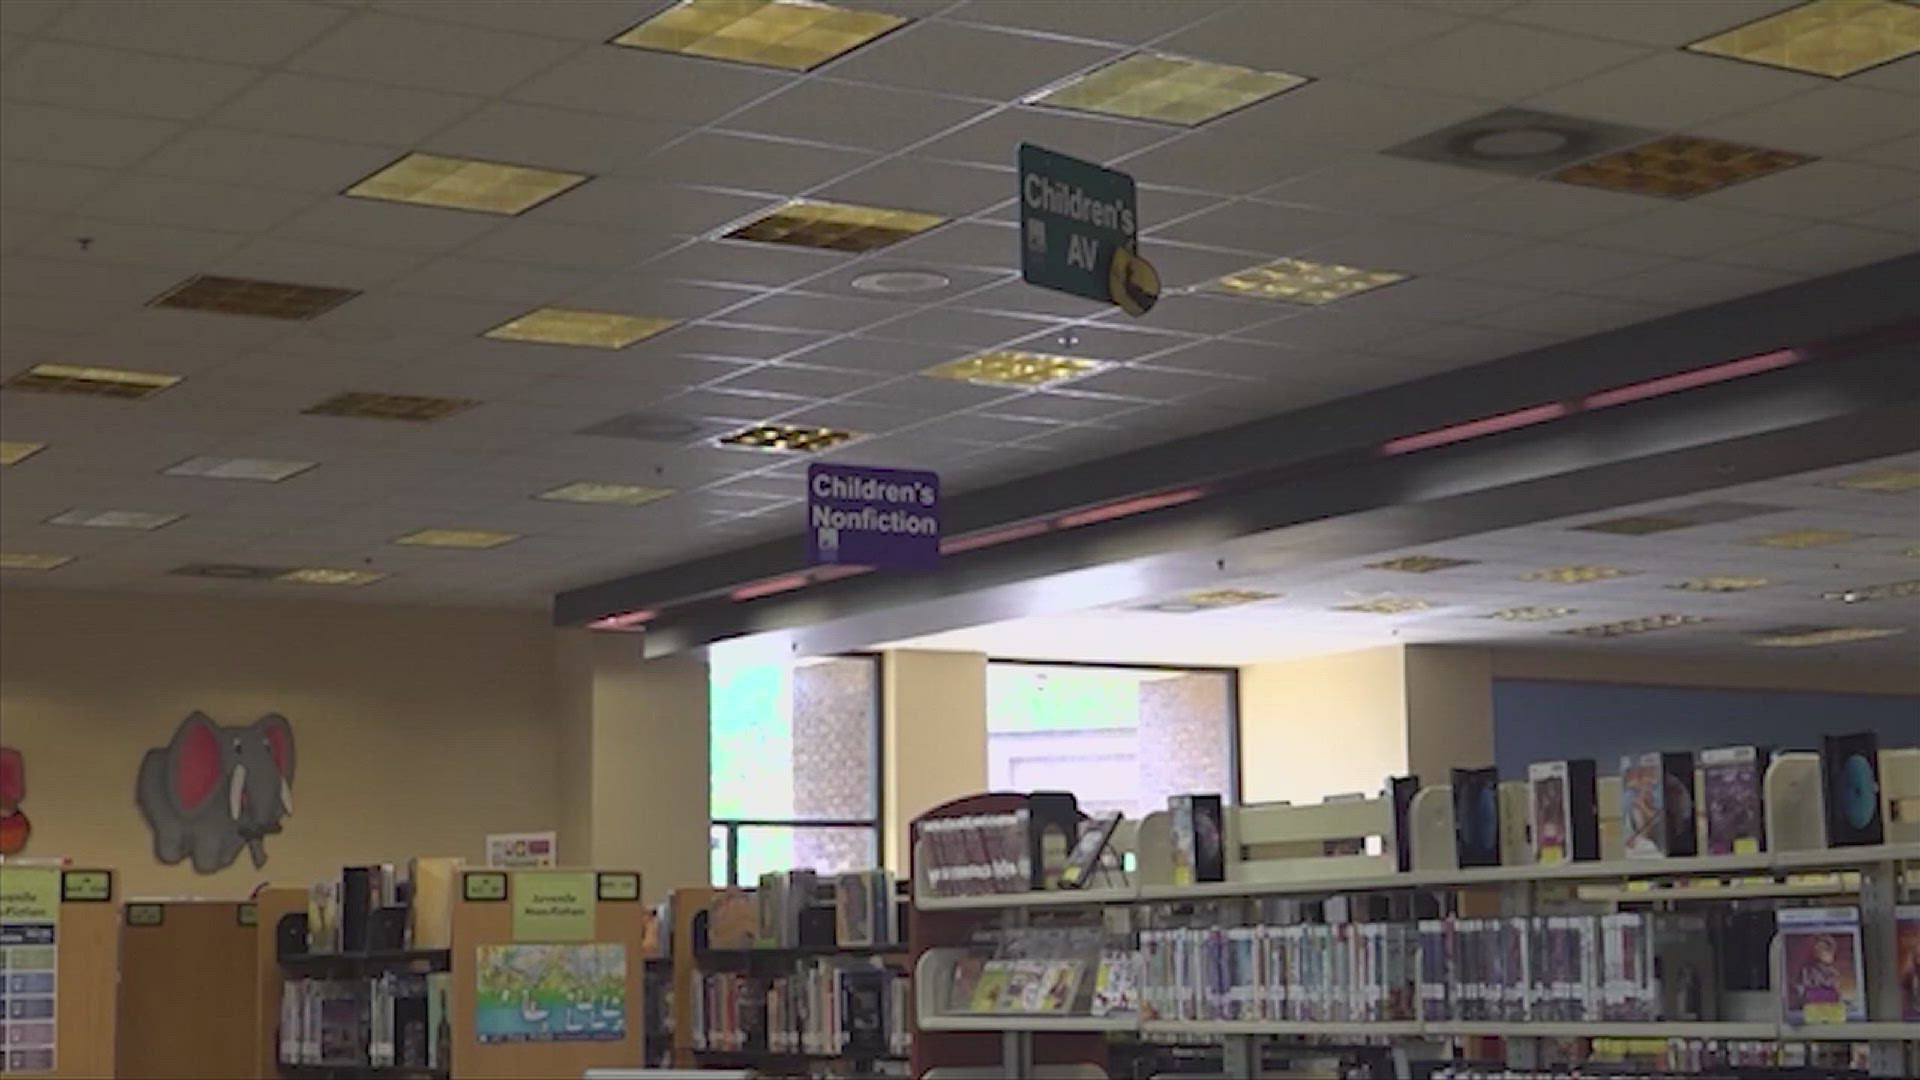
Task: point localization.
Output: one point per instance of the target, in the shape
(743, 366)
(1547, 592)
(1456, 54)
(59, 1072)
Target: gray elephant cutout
(214, 790)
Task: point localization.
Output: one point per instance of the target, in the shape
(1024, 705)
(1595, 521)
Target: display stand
(270, 905)
(77, 905)
(189, 989)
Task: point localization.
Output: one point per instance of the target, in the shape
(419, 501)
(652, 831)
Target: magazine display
(1095, 834)
(977, 854)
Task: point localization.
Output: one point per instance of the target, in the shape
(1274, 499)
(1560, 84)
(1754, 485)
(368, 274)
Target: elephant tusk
(286, 797)
(237, 790)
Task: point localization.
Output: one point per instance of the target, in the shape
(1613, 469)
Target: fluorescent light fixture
(270, 470)
(114, 519)
(1805, 538)
(1679, 167)
(1644, 625)
(247, 296)
(1387, 605)
(1801, 637)
(590, 329)
(796, 35)
(1169, 89)
(1209, 600)
(1890, 591)
(1881, 481)
(490, 187)
(1298, 281)
(613, 494)
(1421, 564)
(95, 381)
(457, 538)
(322, 575)
(1138, 504)
(1576, 575)
(786, 438)
(1012, 367)
(1835, 38)
(29, 560)
(1531, 613)
(13, 452)
(834, 226)
(625, 620)
(1473, 429)
(1723, 583)
(367, 405)
(1688, 380)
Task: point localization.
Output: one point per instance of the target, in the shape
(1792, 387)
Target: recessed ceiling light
(114, 519)
(1575, 575)
(797, 35)
(1835, 38)
(1722, 583)
(1298, 281)
(1646, 624)
(616, 494)
(97, 381)
(1421, 564)
(1519, 142)
(1890, 591)
(1679, 167)
(901, 282)
(1796, 637)
(788, 438)
(1012, 367)
(1530, 613)
(28, 560)
(229, 571)
(240, 468)
(322, 575)
(1805, 538)
(13, 453)
(593, 329)
(1170, 89)
(490, 187)
(1209, 600)
(834, 226)
(1883, 481)
(373, 406)
(457, 538)
(245, 296)
(1387, 605)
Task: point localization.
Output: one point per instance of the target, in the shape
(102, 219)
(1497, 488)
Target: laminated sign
(1080, 231)
(861, 516)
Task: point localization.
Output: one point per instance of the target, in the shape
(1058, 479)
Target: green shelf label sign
(1080, 231)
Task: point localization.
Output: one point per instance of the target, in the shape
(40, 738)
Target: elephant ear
(278, 733)
(195, 763)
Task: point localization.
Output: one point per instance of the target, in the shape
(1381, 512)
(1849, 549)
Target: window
(795, 765)
(1119, 738)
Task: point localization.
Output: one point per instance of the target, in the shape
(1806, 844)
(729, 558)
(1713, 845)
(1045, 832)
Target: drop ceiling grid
(447, 266)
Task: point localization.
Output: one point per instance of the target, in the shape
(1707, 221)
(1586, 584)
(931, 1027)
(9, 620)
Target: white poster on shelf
(521, 851)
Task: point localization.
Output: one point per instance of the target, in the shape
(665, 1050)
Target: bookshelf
(210, 1034)
(68, 916)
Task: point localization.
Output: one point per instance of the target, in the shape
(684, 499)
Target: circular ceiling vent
(901, 282)
(1520, 143)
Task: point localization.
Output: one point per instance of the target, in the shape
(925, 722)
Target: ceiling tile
(1061, 407)
(750, 164)
(967, 329)
(431, 56)
(1094, 342)
(1259, 361)
(387, 225)
(1230, 164)
(29, 16)
(262, 32)
(556, 243)
(1540, 208)
(1336, 328)
(1347, 115)
(949, 189)
(609, 200)
(1824, 189)
(649, 85)
(656, 296)
(78, 137)
(1308, 39)
(804, 311)
(876, 355)
(1122, 21)
(793, 379)
(1458, 346)
(760, 265)
(481, 279)
(1413, 248)
(192, 204)
(1674, 89)
(1829, 121)
(925, 394)
(263, 159)
(968, 243)
(86, 77)
(1557, 315)
(982, 429)
(1901, 75)
(1821, 249)
(1671, 25)
(824, 110)
(1260, 227)
(296, 104)
(966, 60)
(1901, 153)
(1017, 296)
(1193, 313)
(748, 342)
(1373, 184)
(579, 22)
(995, 138)
(1148, 384)
(1685, 230)
(1495, 61)
(289, 259)
(1901, 217)
(857, 417)
(37, 186)
(552, 138)
(1558, 266)
(1691, 284)
(143, 245)
(1425, 297)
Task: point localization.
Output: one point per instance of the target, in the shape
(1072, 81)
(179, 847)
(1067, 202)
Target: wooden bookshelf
(211, 1033)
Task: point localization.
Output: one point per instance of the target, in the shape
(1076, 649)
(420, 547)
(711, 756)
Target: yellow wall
(1770, 672)
(934, 717)
(1324, 725)
(417, 730)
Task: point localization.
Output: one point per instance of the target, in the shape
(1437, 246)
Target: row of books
(1686, 1059)
(1628, 966)
(820, 1007)
(1342, 972)
(976, 854)
(383, 907)
(394, 1019)
(791, 910)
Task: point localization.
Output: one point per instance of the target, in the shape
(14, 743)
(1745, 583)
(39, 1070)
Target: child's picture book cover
(1643, 816)
(1821, 966)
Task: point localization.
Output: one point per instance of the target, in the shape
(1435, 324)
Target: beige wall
(934, 723)
(1772, 671)
(1324, 725)
(417, 730)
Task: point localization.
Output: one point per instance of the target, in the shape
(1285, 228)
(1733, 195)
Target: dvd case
(1730, 781)
(1850, 789)
(1476, 816)
(1566, 811)
(1822, 975)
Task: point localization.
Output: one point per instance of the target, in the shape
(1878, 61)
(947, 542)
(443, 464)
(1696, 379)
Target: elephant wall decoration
(214, 790)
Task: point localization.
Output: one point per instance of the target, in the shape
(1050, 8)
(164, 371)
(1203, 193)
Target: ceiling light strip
(1473, 429)
(769, 586)
(625, 620)
(1688, 380)
(954, 545)
(1128, 507)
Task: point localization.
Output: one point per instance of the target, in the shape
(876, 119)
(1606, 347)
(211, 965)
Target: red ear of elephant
(196, 762)
(280, 741)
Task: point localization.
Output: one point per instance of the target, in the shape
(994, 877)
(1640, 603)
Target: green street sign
(1080, 231)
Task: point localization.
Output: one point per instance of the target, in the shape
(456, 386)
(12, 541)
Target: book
(1730, 783)
(323, 917)
(430, 919)
(1095, 834)
(1850, 789)
(1565, 811)
(1053, 821)
(1400, 791)
(990, 989)
(854, 914)
(732, 920)
(1906, 962)
(1822, 976)
(1476, 816)
(1199, 840)
(1676, 778)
